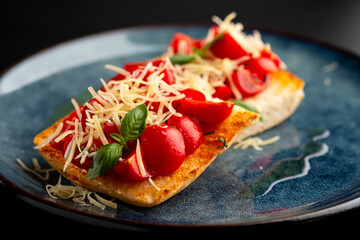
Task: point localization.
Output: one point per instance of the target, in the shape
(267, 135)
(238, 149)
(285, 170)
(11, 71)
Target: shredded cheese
(77, 194)
(255, 142)
(37, 169)
(113, 101)
(139, 159)
(51, 137)
(206, 74)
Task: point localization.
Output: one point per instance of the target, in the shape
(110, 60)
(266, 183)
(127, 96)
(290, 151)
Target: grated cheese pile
(207, 74)
(113, 101)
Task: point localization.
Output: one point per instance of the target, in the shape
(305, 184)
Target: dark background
(31, 26)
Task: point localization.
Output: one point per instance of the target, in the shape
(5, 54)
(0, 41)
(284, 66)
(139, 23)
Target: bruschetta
(141, 138)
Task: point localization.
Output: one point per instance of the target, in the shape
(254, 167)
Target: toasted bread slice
(277, 102)
(143, 193)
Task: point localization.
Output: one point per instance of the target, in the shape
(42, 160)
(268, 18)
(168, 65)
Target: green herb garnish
(208, 133)
(224, 143)
(247, 107)
(202, 52)
(181, 59)
(132, 126)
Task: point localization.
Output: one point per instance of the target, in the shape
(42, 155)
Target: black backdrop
(30, 26)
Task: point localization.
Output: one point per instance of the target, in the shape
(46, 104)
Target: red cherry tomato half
(227, 47)
(270, 55)
(110, 127)
(64, 143)
(85, 165)
(190, 130)
(84, 108)
(129, 169)
(118, 77)
(60, 145)
(189, 94)
(184, 44)
(223, 92)
(248, 84)
(193, 94)
(163, 149)
(260, 66)
(207, 112)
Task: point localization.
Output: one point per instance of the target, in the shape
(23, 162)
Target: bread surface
(143, 193)
(277, 102)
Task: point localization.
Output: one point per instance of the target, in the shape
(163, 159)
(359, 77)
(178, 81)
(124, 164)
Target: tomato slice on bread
(206, 111)
(227, 47)
(128, 168)
(163, 149)
(190, 129)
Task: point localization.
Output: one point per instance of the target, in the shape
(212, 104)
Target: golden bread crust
(143, 193)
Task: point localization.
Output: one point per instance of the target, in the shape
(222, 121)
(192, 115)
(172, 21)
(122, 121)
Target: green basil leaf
(209, 44)
(120, 139)
(202, 52)
(198, 52)
(133, 124)
(224, 143)
(181, 59)
(105, 159)
(247, 107)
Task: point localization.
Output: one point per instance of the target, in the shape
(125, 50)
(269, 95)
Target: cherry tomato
(223, 92)
(260, 66)
(193, 94)
(58, 145)
(62, 146)
(110, 127)
(163, 149)
(129, 168)
(206, 111)
(118, 77)
(227, 47)
(270, 55)
(189, 94)
(190, 130)
(84, 108)
(183, 44)
(71, 118)
(248, 84)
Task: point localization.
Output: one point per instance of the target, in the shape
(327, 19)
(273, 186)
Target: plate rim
(87, 217)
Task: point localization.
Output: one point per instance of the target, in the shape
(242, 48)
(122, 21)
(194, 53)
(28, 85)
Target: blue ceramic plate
(312, 171)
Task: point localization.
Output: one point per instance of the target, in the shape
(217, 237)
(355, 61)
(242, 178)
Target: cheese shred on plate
(76, 193)
(255, 142)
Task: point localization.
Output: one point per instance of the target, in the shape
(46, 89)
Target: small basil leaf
(247, 107)
(105, 159)
(181, 59)
(120, 139)
(133, 124)
(224, 143)
(209, 44)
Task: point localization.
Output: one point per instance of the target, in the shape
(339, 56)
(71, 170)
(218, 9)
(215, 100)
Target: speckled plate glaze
(312, 171)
